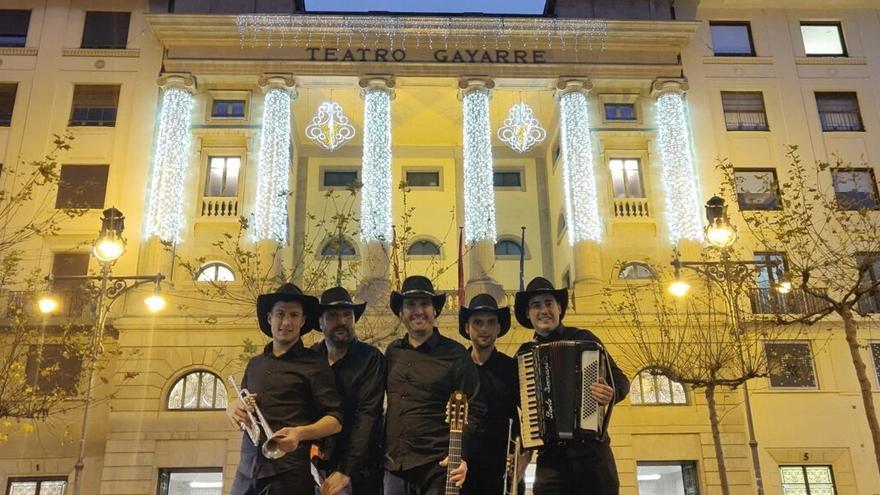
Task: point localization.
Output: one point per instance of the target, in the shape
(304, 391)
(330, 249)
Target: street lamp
(719, 232)
(110, 244)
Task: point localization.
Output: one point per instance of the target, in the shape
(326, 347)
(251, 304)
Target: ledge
(20, 51)
(830, 61)
(738, 60)
(102, 52)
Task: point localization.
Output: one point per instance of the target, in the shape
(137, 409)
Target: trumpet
(511, 481)
(270, 447)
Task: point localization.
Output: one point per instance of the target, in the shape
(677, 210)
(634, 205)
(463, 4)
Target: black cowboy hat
(417, 286)
(483, 303)
(538, 285)
(338, 297)
(288, 292)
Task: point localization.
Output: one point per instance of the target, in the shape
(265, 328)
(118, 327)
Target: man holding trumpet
(291, 387)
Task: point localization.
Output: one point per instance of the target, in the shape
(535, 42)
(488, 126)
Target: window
(869, 266)
(756, 189)
(338, 247)
(620, 111)
(507, 178)
(71, 295)
(215, 272)
(82, 186)
(54, 368)
(423, 179)
(667, 478)
(744, 111)
(7, 103)
(732, 39)
(14, 27)
(94, 105)
(823, 39)
(635, 270)
(855, 188)
(222, 177)
(37, 486)
(197, 481)
(626, 178)
(839, 112)
(423, 248)
(507, 247)
(807, 480)
(198, 390)
(875, 356)
(106, 30)
(790, 365)
(228, 109)
(769, 268)
(653, 387)
(339, 178)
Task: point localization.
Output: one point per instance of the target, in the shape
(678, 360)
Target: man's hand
(287, 438)
(335, 483)
(458, 474)
(237, 411)
(601, 392)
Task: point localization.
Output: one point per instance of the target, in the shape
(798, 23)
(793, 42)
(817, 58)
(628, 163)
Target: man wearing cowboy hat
(424, 368)
(295, 390)
(353, 457)
(584, 467)
(483, 322)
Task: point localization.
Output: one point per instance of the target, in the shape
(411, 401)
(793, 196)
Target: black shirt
(294, 389)
(420, 382)
(360, 378)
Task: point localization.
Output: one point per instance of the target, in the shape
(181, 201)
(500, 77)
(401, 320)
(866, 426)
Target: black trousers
(371, 485)
(427, 479)
(583, 470)
(293, 482)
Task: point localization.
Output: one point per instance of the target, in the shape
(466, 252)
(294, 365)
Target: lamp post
(105, 289)
(721, 234)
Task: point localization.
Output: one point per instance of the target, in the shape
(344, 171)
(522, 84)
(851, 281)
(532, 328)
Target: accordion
(556, 405)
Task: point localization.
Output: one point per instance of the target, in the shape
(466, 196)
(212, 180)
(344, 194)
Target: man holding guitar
(424, 370)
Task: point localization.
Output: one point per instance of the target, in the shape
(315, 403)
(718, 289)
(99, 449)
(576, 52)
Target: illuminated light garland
(521, 130)
(479, 190)
(376, 166)
(581, 199)
(165, 217)
(679, 173)
(330, 127)
(273, 168)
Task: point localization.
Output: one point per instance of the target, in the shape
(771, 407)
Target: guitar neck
(454, 461)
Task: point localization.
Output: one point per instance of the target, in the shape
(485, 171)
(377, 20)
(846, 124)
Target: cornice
(101, 52)
(20, 51)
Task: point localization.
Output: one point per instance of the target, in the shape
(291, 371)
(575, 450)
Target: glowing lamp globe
(47, 304)
(679, 288)
(155, 303)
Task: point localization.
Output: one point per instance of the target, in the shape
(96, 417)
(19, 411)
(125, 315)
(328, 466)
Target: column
(579, 181)
(479, 191)
(376, 221)
(683, 208)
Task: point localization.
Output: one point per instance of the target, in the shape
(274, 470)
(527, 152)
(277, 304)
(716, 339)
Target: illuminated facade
(637, 102)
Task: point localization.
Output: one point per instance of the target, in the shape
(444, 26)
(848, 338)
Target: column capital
(380, 82)
(278, 81)
(661, 86)
(180, 80)
(570, 84)
(474, 83)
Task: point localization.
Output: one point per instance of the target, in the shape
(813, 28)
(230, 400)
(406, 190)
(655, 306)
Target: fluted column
(579, 180)
(479, 192)
(376, 191)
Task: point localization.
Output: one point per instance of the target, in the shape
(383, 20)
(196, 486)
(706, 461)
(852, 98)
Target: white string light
(173, 140)
(330, 127)
(521, 130)
(376, 167)
(479, 191)
(273, 168)
(679, 174)
(581, 199)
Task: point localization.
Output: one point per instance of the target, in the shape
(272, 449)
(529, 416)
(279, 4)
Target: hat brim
(357, 308)
(437, 300)
(464, 314)
(521, 304)
(310, 304)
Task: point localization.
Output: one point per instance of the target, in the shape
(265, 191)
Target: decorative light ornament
(679, 288)
(376, 166)
(171, 157)
(479, 190)
(47, 304)
(581, 199)
(679, 174)
(273, 168)
(521, 130)
(330, 127)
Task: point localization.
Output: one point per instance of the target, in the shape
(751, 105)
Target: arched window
(215, 272)
(506, 247)
(635, 270)
(423, 248)
(654, 387)
(198, 390)
(336, 246)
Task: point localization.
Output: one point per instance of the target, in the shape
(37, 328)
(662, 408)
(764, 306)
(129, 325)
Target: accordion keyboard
(531, 433)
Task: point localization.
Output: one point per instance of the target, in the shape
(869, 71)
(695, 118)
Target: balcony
(631, 208)
(767, 301)
(219, 207)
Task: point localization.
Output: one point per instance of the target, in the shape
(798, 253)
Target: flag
(522, 260)
(461, 301)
